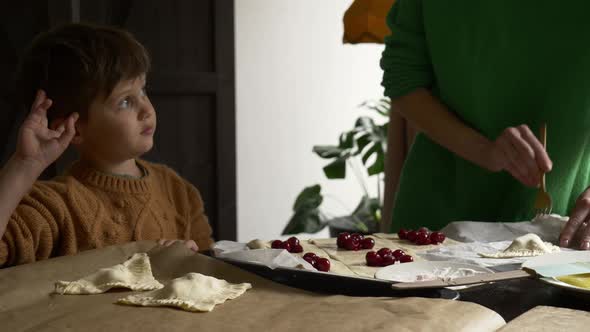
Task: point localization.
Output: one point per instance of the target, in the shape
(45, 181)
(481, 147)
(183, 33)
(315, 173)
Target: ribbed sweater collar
(111, 182)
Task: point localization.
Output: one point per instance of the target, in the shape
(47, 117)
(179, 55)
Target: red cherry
(402, 234)
(352, 244)
(341, 238)
(310, 259)
(293, 241)
(423, 230)
(373, 259)
(422, 239)
(387, 260)
(296, 248)
(437, 237)
(398, 253)
(310, 254)
(367, 243)
(285, 245)
(358, 236)
(406, 259)
(322, 264)
(384, 251)
(277, 244)
(411, 236)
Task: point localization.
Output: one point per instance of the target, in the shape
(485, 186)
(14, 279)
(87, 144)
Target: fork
(543, 203)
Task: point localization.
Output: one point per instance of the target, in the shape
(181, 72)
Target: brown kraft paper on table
(27, 302)
(545, 318)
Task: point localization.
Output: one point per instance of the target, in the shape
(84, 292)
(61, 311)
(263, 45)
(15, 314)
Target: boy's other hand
(189, 243)
(38, 146)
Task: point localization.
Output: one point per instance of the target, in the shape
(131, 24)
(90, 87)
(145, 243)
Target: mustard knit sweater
(86, 209)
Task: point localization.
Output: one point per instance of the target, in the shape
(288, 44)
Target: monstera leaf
(306, 214)
(366, 142)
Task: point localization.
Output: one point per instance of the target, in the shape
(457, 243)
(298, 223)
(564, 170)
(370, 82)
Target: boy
(85, 86)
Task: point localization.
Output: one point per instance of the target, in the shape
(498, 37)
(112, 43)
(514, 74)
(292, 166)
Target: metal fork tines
(543, 203)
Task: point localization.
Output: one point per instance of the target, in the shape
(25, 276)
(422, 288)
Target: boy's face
(119, 128)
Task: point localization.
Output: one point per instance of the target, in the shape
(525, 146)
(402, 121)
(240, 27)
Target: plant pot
(347, 224)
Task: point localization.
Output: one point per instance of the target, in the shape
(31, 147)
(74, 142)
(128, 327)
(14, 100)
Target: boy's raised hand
(38, 146)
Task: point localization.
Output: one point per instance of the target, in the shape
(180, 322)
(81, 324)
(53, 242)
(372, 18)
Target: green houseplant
(360, 149)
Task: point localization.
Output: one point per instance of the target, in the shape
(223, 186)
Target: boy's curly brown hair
(76, 64)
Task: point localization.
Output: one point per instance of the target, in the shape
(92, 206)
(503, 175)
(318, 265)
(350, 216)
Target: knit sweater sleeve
(33, 228)
(405, 61)
(200, 230)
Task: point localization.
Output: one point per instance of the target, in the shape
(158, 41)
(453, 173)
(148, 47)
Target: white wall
(297, 86)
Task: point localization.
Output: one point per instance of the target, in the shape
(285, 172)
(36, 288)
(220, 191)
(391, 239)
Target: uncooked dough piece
(259, 244)
(192, 292)
(135, 274)
(524, 246)
(351, 257)
(336, 266)
(363, 270)
(355, 261)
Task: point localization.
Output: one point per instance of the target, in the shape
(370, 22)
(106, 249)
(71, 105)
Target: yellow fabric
(87, 209)
(579, 280)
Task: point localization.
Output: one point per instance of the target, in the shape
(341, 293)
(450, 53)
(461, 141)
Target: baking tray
(330, 283)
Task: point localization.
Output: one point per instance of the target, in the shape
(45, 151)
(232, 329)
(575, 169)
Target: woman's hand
(38, 145)
(518, 151)
(188, 243)
(576, 232)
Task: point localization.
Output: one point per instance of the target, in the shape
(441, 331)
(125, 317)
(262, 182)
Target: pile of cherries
(291, 245)
(320, 263)
(422, 236)
(354, 241)
(386, 257)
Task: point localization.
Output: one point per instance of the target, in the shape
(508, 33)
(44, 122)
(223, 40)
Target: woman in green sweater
(477, 78)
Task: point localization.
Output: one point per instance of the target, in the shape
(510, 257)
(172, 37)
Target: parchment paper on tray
(547, 227)
(468, 253)
(272, 258)
(225, 246)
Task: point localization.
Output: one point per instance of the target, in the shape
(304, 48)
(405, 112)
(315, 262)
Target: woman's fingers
(513, 165)
(541, 156)
(526, 157)
(577, 226)
(583, 236)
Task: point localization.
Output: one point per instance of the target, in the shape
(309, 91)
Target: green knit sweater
(495, 64)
